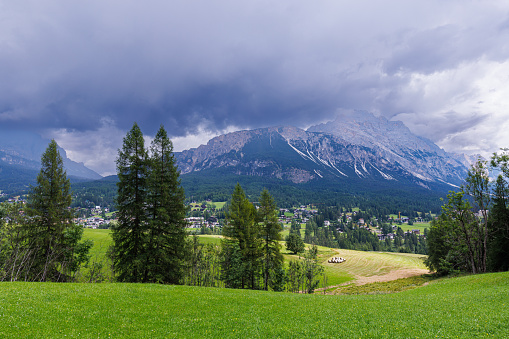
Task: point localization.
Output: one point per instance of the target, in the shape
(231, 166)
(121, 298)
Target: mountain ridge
(20, 160)
(361, 145)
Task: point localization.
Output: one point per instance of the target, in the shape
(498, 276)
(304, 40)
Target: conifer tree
(167, 247)
(130, 232)
(498, 254)
(241, 234)
(272, 257)
(53, 238)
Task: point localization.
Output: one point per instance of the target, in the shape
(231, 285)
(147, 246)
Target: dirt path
(392, 275)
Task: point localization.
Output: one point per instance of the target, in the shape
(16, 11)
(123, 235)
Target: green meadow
(465, 307)
(416, 226)
(359, 266)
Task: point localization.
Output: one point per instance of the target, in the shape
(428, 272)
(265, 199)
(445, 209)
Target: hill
(465, 307)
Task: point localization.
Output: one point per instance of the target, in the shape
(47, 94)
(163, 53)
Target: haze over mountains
(20, 160)
(353, 147)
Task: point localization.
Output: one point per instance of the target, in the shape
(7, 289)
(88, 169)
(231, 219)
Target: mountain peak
(24, 149)
(352, 147)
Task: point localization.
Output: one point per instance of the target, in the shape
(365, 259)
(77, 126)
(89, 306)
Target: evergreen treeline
(472, 233)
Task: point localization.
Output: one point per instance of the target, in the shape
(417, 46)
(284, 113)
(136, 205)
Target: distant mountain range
(356, 156)
(20, 161)
(356, 147)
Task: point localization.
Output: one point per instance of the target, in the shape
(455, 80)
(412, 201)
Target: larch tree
(129, 234)
(167, 247)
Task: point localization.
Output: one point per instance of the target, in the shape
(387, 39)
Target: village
(206, 218)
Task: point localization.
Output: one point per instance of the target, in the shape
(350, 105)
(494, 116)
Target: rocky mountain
(356, 147)
(20, 154)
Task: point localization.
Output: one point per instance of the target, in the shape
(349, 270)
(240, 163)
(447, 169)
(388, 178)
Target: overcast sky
(83, 71)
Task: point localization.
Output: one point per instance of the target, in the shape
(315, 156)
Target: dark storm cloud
(77, 69)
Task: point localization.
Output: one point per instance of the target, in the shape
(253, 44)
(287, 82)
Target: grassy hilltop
(465, 307)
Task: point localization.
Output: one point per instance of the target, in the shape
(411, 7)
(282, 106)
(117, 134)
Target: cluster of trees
(39, 241)
(251, 249)
(345, 234)
(250, 252)
(149, 240)
(472, 233)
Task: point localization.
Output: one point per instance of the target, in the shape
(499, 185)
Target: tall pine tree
(129, 234)
(167, 246)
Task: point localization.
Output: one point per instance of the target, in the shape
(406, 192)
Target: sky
(82, 72)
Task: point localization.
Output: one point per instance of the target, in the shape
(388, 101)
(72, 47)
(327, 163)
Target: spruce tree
(167, 247)
(272, 257)
(129, 234)
(50, 233)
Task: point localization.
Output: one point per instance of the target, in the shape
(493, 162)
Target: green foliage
(270, 233)
(242, 238)
(167, 249)
(294, 243)
(204, 267)
(39, 241)
(130, 232)
(312, 270)
(50, 233)
(459, 239)
(498, 245)
(150, 239)
(217, 185)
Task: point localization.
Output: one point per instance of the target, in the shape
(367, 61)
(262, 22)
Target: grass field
(465, 307)
(360, 267)
(217, 204)
(210, 239)
(102, 241)
(416, 226)
(366, 267)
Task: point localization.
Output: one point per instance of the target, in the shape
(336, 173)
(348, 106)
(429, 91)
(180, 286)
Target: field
(465, 307)
(416, 226)
(286, 231)
(99, 265)
(210, 239)
(360, 267)
(217, 205)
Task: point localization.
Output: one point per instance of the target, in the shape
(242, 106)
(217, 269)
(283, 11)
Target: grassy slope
(360, 264)
(466, 307)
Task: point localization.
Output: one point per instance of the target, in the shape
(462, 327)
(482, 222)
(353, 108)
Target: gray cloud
(203, 67)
